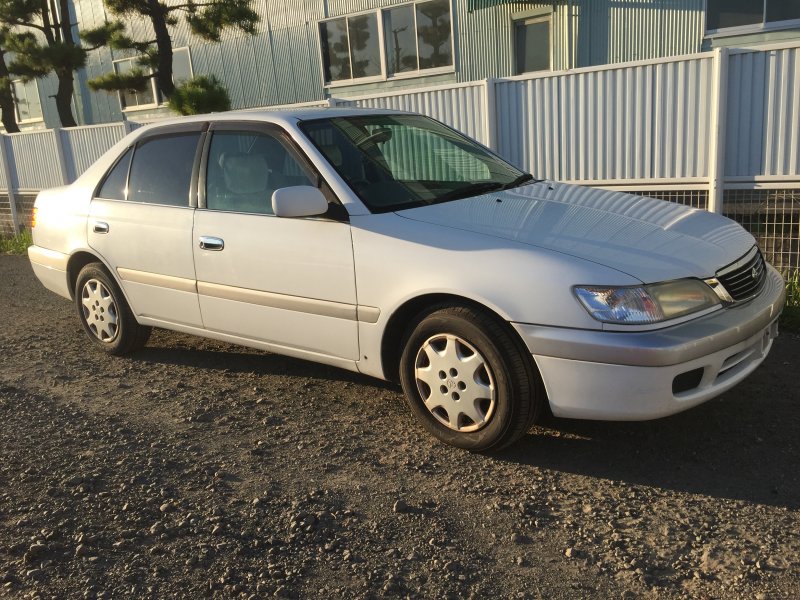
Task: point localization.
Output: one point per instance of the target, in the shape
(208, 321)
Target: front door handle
(100, 227)
(211, 243)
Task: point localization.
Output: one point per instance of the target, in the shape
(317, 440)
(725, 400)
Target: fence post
(5, 164)
(58, 140)
(719, 112)
(490, 116)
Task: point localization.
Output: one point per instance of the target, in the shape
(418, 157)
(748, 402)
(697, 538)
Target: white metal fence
(717, 130)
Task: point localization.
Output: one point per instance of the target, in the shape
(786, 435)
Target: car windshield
(401, 161)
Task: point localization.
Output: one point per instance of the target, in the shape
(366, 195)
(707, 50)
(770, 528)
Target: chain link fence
(24, 209)
(771, 216)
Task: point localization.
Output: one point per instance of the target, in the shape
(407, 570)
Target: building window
(151, 96)
(130, 99)
(404, 39)
(26, 100)
(726, 14)
(350, 47)
(532, 45)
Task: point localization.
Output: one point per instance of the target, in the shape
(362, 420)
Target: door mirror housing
(298, 201)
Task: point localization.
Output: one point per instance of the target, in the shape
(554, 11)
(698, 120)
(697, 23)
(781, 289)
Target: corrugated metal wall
(636, 122)
(84, 145)
(281, 63)
(763, 121)
(35, 158)
(645, 123)
(462, 107)
(611, 31)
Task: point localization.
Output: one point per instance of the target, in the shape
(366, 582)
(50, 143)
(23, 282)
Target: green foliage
(793, 288)
(209, 21)
(112, 34)
(200, 95)
(790, 319)
(17, 244)
(42, 44)
(134, 80)
(33, 59)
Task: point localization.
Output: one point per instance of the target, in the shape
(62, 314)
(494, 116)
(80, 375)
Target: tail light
(33, 217)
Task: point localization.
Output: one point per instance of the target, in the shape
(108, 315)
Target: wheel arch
(411, 309)
(80, 259)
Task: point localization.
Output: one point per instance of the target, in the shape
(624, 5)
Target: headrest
(245, 173)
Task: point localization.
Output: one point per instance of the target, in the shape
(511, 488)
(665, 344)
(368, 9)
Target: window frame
(157, 95)
(762, 27)
(19, 120)
(200, 127)
(527, 20)
(336, 210)
(385, 76)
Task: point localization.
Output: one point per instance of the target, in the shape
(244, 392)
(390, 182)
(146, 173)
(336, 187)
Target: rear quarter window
(116, 180)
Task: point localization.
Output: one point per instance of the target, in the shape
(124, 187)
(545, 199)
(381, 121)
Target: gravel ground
(195, 468)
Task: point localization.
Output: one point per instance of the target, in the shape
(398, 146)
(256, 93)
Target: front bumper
(632, 376)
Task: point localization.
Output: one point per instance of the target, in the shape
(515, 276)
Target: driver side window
(245, 168)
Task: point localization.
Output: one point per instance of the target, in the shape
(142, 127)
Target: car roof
(285, 117)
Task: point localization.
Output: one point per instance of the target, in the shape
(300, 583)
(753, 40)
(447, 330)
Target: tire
(481, 386)
(105, 314)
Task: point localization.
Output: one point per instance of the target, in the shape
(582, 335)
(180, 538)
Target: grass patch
(790, 320)
(17, 244)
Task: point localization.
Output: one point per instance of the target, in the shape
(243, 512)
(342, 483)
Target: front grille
(745, 277)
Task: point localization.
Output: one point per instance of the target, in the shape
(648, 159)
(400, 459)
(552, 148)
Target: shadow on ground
(744, 445)
(741, 446)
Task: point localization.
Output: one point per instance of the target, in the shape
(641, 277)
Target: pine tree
(8, 114)
(206, 19)
(40, 37)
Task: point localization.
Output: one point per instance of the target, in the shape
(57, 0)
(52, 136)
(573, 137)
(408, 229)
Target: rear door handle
(100, 227)
(211, 243)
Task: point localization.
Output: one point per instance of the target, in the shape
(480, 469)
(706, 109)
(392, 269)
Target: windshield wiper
(524, 178)
(474, 189)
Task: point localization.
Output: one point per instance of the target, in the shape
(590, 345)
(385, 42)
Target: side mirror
(298, 201)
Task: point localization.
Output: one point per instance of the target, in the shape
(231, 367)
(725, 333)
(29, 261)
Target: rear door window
(161, 172)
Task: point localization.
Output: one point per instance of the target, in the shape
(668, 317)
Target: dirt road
(195, 468)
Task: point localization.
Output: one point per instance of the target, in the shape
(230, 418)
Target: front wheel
(104, 313)
(468, 381)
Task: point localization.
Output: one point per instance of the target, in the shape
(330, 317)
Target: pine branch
(134, 80)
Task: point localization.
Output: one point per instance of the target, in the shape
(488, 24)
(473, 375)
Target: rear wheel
(104, 313)
(468, 381)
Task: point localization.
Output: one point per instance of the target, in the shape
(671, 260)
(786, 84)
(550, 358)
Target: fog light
(687, 381)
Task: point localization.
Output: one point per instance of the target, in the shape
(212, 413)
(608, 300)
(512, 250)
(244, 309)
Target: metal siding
(84, 145)
(610, 31)
(492, 27)
(763, 113)
(633, 122)
(231, 57)
(462, 107)
(281, 63)
(263, 83)
(36, 159)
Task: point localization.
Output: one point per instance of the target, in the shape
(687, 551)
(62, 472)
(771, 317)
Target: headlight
(646, 304)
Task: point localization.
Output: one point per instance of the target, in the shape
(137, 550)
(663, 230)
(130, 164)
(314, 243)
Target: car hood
(651, 240)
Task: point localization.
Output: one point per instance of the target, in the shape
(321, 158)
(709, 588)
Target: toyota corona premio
(387, 243)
